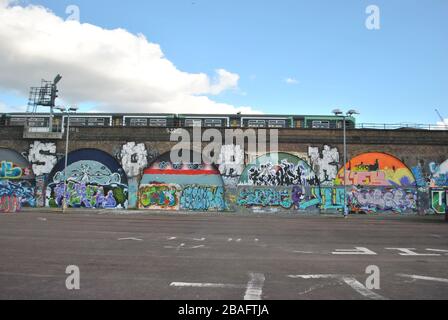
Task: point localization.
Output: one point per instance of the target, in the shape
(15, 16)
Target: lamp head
(352, 112)
(337, 112)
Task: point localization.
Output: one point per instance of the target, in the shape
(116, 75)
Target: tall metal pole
(64, 205)
(345, 169)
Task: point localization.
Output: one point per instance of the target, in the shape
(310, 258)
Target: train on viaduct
(122, 161)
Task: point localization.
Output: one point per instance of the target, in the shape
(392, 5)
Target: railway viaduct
(403, 171)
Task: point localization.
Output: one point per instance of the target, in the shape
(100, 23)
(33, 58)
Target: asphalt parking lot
(208, 257)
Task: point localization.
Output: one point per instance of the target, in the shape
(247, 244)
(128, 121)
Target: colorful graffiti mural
(376, 169)
(439, 177)
(439, 200)
(181, 186)
(202, 198)
(159, 197)
(17, 181)
(278, 169)
(265, 197)
(94, 180)
(82, 195)
(369, 200)
(21, 193)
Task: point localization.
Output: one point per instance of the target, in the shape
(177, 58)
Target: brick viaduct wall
(423, 152)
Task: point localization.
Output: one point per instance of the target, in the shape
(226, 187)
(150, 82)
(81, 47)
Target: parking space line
(206, 285)
(356, 251)
(417, 277)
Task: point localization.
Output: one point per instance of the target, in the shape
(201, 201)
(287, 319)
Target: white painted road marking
(254, 288)
(350, 281)
(407, 252)
(130, 239)
(202, 239)
(417, 277)
(361, 289)
(356, 251)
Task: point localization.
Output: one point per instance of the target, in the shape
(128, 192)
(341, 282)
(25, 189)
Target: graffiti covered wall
(94, 180)
(17, 181)
(181, 186)
(159, 196)
(278, 169)
(311, 182)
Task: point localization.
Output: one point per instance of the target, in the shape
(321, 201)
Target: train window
(158, 123)
(138, 122)
(37, 122)
(17, 121)
(256, 123)
(277, 124)
(193, 123)
(213, 123)
(321, 124)
(32, 122)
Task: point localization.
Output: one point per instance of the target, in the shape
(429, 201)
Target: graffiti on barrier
(278, 169)
(324, 163)
(10, 204)
(265, 197)
(231, 164)
(134, 158)
(22, 192)
(82, 195)
(419, 178)
(202, 198)
(366, 200)
(159, 197)
(439, 200)
(17, 185)
(376, 169)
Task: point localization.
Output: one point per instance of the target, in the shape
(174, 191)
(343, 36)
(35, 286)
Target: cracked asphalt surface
(221, 257)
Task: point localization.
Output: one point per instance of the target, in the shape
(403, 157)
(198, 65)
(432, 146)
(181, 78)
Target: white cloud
(291, 81)
(116, 69)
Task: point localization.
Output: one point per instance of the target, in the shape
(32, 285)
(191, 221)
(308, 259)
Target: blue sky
(396, 74)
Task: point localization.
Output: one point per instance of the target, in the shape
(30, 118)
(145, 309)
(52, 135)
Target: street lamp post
(67, 111)
(349, 113)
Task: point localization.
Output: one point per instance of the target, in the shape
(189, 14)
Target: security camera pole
(349, 113)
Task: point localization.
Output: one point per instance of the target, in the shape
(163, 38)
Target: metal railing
(403, 126)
